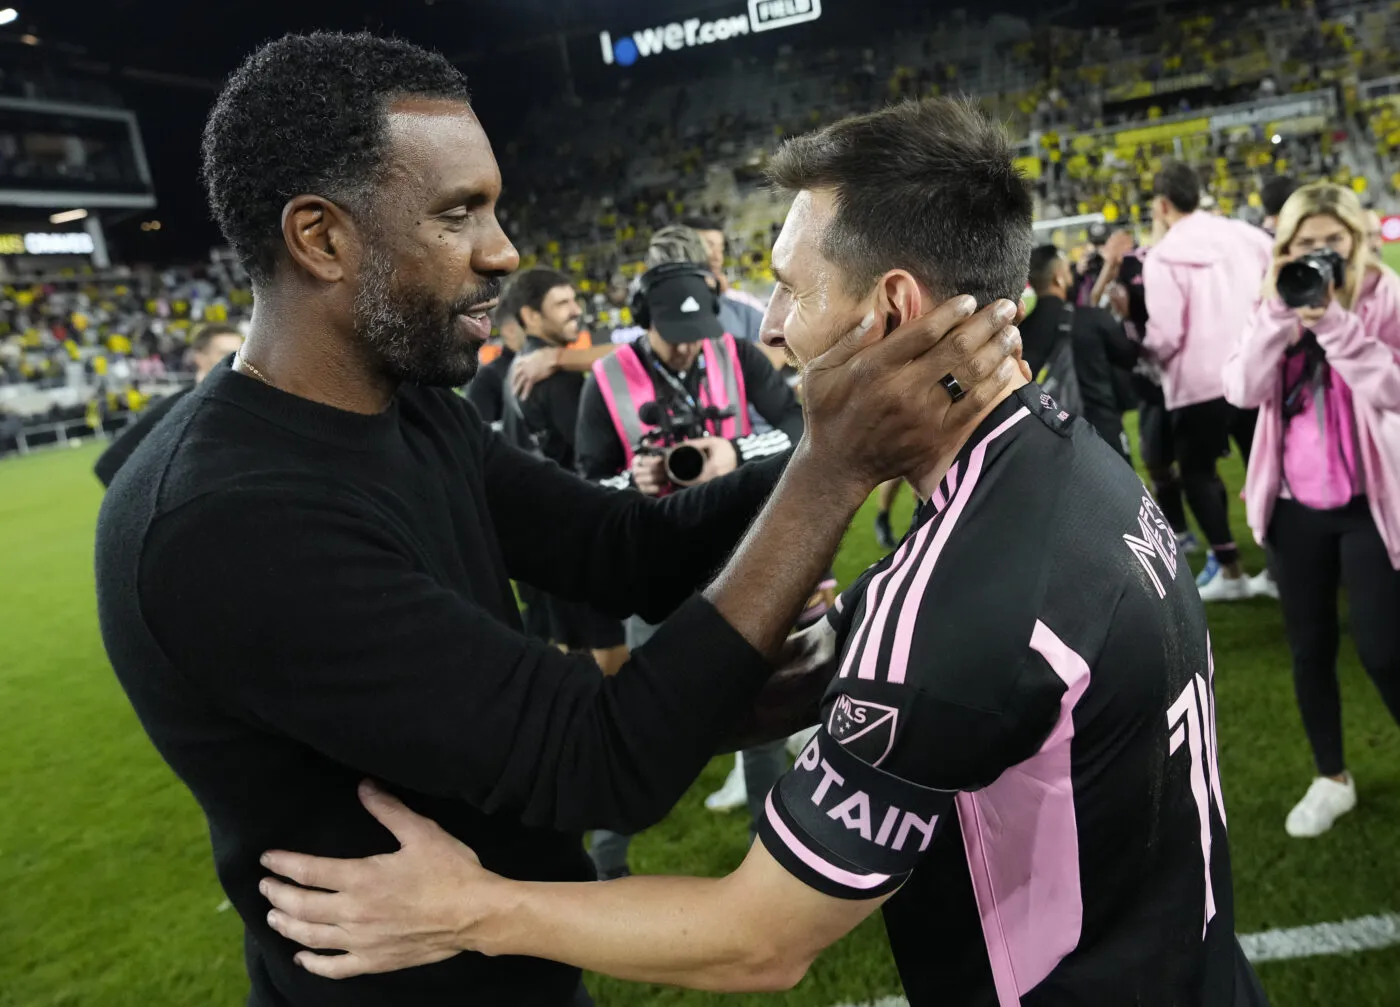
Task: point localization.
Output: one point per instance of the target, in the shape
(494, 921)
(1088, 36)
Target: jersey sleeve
(938, 692)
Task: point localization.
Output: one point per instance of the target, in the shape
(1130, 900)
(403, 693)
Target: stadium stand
(1243, 93)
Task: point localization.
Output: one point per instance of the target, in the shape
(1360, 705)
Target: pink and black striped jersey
(1021, 739)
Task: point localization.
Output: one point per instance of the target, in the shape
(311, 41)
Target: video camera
(1303, 282)
(675, 425)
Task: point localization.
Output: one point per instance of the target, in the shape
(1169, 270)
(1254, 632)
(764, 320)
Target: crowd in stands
(1096, 113)
(82, 348)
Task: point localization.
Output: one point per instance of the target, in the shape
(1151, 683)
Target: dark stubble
(413, 332)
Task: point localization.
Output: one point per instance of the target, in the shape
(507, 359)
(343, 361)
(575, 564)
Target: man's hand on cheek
(881, 406)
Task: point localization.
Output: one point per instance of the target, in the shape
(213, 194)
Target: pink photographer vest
(623, 379)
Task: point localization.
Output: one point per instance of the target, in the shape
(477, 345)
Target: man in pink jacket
(1202, 283)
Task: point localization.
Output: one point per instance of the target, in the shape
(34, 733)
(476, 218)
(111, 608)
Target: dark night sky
(508, 48)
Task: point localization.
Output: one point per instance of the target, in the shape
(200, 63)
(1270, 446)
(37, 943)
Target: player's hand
(791, 699)
(390, 912)
(530, 369)
(649, 474)
(875, 405)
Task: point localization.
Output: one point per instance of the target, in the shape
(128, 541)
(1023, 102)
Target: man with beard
(303, 573)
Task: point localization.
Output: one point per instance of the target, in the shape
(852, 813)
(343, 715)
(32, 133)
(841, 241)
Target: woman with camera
(1321, 361)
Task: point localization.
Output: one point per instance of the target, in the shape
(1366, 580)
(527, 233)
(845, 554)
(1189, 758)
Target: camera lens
(684, 464)
(1302, 283)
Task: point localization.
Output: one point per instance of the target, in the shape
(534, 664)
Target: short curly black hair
(306, 114)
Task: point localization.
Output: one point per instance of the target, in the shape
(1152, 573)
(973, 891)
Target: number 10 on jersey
(1191, 723)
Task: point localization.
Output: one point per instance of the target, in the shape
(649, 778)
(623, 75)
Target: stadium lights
(67, 216)
(8, 14)
(1277, 138)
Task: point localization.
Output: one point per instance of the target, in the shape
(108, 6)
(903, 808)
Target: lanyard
(675, 383)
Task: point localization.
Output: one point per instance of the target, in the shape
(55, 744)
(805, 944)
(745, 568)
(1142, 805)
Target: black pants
(1315, 551)
(1201, 436)
(1159, 455)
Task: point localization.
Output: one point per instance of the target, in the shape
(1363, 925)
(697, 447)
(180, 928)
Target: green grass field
(109, 897)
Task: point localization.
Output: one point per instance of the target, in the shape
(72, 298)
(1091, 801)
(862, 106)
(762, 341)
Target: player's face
(1320, 231)
(559, 315)
(433, 250)
(811, 307)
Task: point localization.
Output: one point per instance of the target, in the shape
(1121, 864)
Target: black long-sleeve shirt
(111, 460)
(1103, 357)
(486, 391)
(549, 413)
(296, 597)
(599, 454)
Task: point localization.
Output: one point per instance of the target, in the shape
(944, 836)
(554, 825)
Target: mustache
(488, 291)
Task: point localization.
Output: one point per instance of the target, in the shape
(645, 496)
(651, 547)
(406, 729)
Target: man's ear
(320, 237)
(899, 298)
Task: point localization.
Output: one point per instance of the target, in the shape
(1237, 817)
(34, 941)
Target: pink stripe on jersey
(897, 568)
(813, 860)
(1022, 843)
(941, 496)
(909, 614)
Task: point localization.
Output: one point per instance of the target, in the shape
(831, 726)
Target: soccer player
(1016, 758)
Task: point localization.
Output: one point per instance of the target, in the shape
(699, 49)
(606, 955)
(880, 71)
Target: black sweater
(296, 597)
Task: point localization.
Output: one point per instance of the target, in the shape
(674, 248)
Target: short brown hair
(529, 289)
(928, 186)
(1179, 185)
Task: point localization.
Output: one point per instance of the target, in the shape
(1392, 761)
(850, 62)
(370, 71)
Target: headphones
(656, 275)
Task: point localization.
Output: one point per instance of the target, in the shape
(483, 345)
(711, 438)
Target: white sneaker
(798, 741)
(1263, 585)
(1325, 802)
(734, 792)
(1222, 588)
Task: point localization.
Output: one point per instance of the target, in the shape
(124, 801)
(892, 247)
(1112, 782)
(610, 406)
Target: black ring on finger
(954, 389)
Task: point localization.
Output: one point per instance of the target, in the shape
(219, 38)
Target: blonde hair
(677, 243)
(1335, 201)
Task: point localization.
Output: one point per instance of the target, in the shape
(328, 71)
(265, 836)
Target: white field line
(1364, 933)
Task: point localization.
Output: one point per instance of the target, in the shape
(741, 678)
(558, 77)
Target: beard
(413, 332)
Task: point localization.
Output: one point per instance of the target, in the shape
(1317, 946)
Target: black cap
(683, 309)
(1098, 233)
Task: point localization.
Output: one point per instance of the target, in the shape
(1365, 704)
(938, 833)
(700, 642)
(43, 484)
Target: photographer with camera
(1201, 283)
(1321, 362)
(670, 410)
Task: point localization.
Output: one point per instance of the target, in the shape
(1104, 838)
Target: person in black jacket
(486, 391)
(211, 344)
(1103, 353)
(303, 573)
(547, 308)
